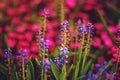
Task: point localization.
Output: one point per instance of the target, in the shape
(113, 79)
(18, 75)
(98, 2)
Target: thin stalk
(43, 54)
(86, 52)
(62, 10)
(8, 65)
(76, 39)
(65, 36)
(23, 68)
(79, 59)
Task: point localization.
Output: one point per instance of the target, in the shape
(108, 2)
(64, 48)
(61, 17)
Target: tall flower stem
(23, 68)
(85, 54)
(79, 59)
(76, 39)
(62, 10)
(43, 54)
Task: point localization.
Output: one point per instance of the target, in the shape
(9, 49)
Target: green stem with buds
(86, 52)
(23, 68)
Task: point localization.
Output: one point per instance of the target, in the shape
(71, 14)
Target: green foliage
(3, 69)
(55, 70)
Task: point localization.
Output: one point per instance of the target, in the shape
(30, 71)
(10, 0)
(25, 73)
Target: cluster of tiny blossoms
(63, 58)
(22, 54)
(7, 53)
(86, 30)
(101, 72)
(63, 54)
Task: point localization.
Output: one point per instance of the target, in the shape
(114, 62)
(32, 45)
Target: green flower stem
(65, 36)
(76, 40)
(62, 10)
(44, 23)
(44, 76)
(23, 69)
(118, 59)
(77, 68)
(8, 66)
(85, 54)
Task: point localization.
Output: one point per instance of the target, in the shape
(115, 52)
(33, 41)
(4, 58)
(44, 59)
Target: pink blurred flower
(112, 29)
(34, 47)
(71, 3)
(92, 2)
(106, 39)
(82, 15)
(11, 42)
(28, 36)
(7, 28)
(35, 27)
(22, 9)
(10, 11)
(51, 45)
(74, 45)
(88, 7)
(20, 29)
(96, 42)
(12, 35)
(20, 36)
(16, 20)
(23, 44)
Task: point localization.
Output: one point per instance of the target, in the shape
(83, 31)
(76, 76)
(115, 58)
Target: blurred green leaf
(63, 74)
(70, 68)
(16, 75)
(55, 53)
(30, 71)
(106, 28)
(3, 69)
(87, 66)
(28, 74)
(55, 70)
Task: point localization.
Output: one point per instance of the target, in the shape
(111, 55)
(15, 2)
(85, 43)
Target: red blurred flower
(71, 3)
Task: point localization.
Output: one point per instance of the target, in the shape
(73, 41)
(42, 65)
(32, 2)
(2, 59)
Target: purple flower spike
(7, 53)
(64, 25)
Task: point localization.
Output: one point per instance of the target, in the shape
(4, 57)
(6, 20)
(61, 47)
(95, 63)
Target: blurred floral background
(21, 19)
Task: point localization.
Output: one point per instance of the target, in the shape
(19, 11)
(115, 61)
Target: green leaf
(37, 62)
(30, 71)
(70, 68)
(3, 69)
(55, 70)
(79, 78)
(106, 28)
(28, 74)
(87, 66)
(55, 53)
(16, 75)
(63, 74)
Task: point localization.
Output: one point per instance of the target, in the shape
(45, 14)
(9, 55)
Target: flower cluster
(22, 55)
(44, 45)
(101, 72)
(7, 53)
(63, 58)
(65, 32)
(85, 29)
(64, 25)
(46, 65)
